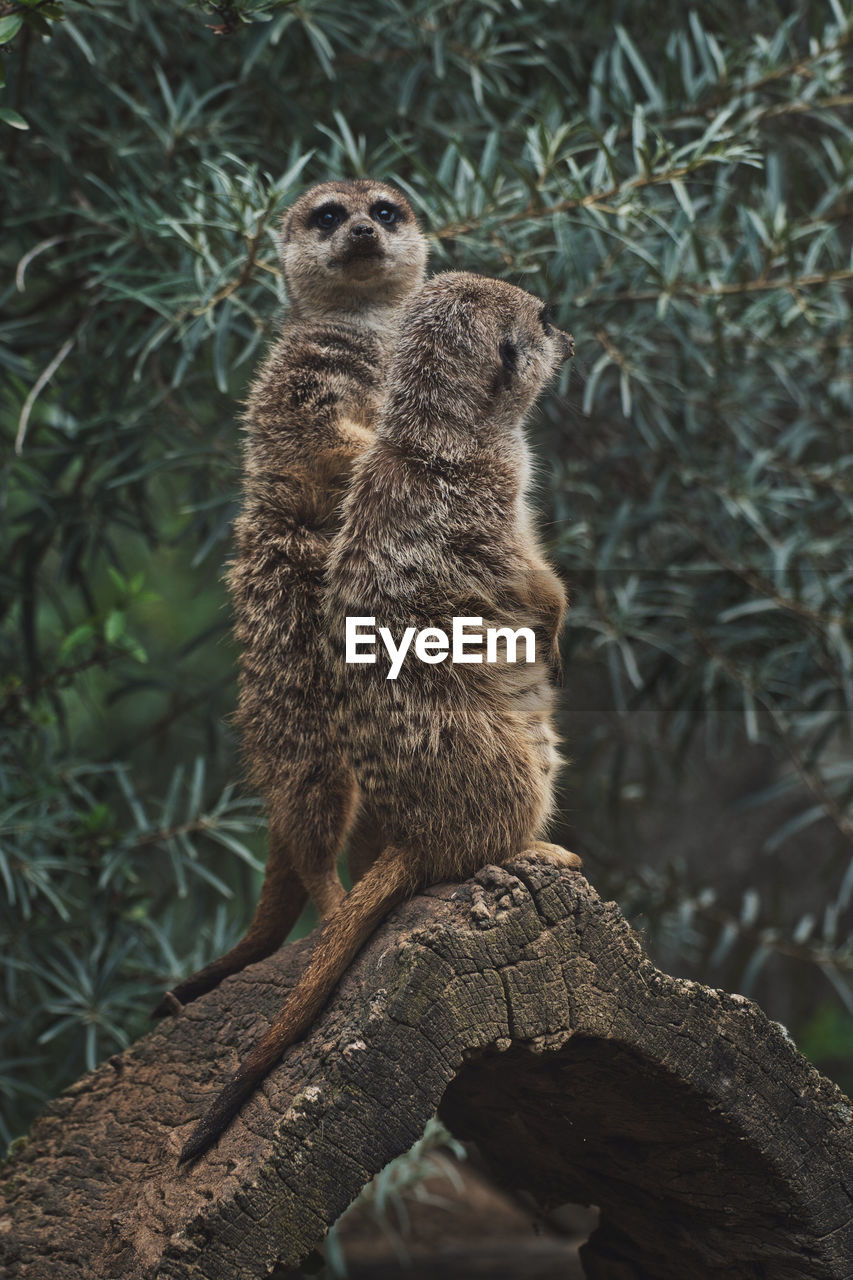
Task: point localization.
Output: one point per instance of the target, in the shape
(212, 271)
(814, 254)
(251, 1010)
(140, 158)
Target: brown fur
(456, 762)
(310, 413)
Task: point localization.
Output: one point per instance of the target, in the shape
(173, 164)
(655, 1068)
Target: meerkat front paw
(552, 854)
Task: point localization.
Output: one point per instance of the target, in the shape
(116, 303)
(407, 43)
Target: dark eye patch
(387, 212)
(508, 353)
(327, 216)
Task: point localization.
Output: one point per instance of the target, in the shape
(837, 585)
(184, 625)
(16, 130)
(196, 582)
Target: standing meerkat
(456, 760)
(352, 253)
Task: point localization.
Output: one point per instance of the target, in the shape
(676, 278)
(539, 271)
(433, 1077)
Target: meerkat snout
(567, 343)
(363, 244)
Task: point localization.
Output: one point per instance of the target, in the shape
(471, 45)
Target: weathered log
(521, 1006)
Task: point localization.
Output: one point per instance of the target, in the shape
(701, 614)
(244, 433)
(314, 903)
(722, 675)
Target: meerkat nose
(568, 345)
(362, 229)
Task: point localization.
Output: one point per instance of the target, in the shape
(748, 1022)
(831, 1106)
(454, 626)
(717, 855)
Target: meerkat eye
(546, 315)
(508, 353)
(327, 216)
(386, 212)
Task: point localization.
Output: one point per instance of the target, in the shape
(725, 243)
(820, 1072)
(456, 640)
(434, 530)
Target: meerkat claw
(554, 855)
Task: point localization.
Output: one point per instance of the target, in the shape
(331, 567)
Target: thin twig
(42, 381)
(28, 257)
(762, 285)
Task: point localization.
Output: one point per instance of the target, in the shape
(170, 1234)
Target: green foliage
(678, 183)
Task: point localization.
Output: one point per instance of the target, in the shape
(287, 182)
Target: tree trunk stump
(524, 1009)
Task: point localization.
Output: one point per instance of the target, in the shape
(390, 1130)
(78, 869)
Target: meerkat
(456, 760)
(351, 254)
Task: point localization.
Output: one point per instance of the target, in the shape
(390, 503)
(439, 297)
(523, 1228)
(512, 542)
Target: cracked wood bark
(525, 1009)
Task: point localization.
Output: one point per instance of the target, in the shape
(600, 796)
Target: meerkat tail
(283, 897)
(389, 881)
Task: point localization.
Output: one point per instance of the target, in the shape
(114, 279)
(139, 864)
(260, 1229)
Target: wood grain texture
(525, 1009)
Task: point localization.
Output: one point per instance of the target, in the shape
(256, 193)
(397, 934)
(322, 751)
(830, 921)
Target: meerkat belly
(428, 768)
(545, 743)
(534, 702)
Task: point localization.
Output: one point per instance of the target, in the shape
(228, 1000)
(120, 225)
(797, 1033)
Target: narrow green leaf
(13, 118)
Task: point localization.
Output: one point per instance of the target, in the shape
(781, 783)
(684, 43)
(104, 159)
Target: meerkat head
(473, 355)
(350, 247)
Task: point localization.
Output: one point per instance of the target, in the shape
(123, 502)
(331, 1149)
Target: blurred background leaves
(679, 184)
